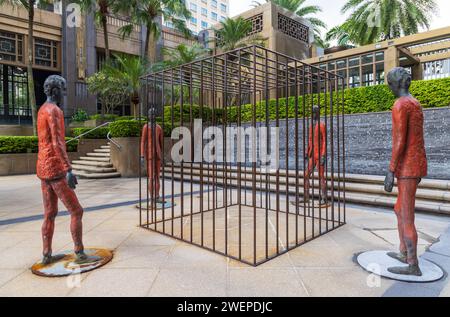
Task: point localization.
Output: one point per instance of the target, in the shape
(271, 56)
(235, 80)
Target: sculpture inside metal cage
(237, 127)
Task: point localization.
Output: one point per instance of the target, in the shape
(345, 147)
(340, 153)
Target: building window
(214, 16)
(379, 56)
(367, 75)
(45, 53)
(341, 64)
(436, 69)
(354, 77)
(214, 4)
(205, 1)
(193, 20)
(204, 25)
(169, 24)
(293, 28)
(379, 74)
(193, 7)
(367, 59)
(204, 12)
(223, 7)
(353, 61)
(14, 105)
(11, 47)
(222, 18)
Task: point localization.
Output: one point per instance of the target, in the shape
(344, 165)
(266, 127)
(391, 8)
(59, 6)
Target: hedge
(26, 144)
(126, 128)
(100, 133)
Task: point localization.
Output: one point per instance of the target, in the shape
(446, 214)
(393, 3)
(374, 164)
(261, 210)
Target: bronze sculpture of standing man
(55, 172)
(408, 165)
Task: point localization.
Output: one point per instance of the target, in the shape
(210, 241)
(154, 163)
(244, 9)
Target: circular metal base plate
(67, 266)
(378, 262)
(316, 204)
(159, 206)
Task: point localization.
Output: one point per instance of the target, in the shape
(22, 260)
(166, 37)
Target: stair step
(363, 193)
(93, 169)
(95, 159)
(82, 174)
(105, 147)
(98, 154)
(92, 163)
(102, 151)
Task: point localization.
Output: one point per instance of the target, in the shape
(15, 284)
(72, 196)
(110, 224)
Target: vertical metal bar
(266, 88)
(332, 157)
(296, 153)
(254, 155)
(214, 175)
(201, 162)
(277, 123)
(191, 126)
(224, 164)
(239, 148)
(182, 162)
(343, 150)
(287, 152)
(163, 147)
(304, 77)
(172, 122)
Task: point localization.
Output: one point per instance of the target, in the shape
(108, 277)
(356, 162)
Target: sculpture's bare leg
(50, 211)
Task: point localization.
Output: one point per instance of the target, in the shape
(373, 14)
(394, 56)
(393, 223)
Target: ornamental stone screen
(244, 154)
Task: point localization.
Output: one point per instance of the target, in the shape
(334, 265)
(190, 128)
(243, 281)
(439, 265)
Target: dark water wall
(368, 143)
(368, 139)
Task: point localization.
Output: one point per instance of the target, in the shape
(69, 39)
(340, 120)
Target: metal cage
(229, 200)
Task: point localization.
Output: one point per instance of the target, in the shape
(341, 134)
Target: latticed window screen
(293, 28)
(45, 53)
(11, 46)
(257, 24)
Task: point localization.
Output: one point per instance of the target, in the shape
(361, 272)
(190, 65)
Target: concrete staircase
(433, 196)
(95, 165)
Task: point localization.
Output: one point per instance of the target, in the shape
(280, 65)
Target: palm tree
(234, 34)
(29, 5)
(304, 11)
(128, 70)
(146, 12)
(101, 9)
(344, 34)
(183, 54)
(375, 20)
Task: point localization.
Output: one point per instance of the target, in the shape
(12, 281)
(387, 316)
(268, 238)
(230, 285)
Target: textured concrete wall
(369, 142)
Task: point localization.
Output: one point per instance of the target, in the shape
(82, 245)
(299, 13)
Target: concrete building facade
(206, 13)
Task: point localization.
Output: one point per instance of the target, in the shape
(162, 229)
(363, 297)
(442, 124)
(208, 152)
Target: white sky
(331, 14)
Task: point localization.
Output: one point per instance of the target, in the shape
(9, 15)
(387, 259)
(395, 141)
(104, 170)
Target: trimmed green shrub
(126, 128)
(105, 117)
(80, 116)
(26, 144)
(100, 133)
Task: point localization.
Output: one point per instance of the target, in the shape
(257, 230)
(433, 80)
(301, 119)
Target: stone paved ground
(149, 264)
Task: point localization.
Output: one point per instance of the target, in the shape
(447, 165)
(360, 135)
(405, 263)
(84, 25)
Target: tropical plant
(29, 5)
(110, 91)
(183, 54)
(128, 70)
(305, 11)
(344, 34)
(375, 20)
(233, 34)
(146, 12)
(80, 115)
(101, 9)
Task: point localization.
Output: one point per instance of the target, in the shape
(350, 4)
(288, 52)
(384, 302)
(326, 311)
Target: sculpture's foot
(406, 270)
(323, 202)
(50, 259)
(83, 258)
(401, 256)
(160, 201)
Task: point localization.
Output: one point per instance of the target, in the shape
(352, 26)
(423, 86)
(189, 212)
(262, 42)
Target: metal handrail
(108, 136)
(86, 133)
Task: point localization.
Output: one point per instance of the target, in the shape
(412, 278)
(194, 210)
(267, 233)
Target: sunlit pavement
(149, 264)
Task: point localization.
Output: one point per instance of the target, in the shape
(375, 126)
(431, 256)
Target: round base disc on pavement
(67, 266)
(316, 204)
(159, 206)
(378, 262)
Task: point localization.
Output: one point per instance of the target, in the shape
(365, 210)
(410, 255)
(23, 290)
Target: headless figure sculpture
(408, 164)
(151, 152)
(316, 156)
(55, 172)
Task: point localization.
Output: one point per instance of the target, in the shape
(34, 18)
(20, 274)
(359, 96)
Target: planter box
(126, 159)
(25, 163)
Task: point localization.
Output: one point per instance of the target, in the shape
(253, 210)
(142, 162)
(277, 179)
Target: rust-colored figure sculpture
(55, 172)
(408, 164)
(316, 156)
(152, 154)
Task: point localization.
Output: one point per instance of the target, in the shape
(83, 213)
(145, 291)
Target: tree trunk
(147, 43)
(105, 35)
(31, 94)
